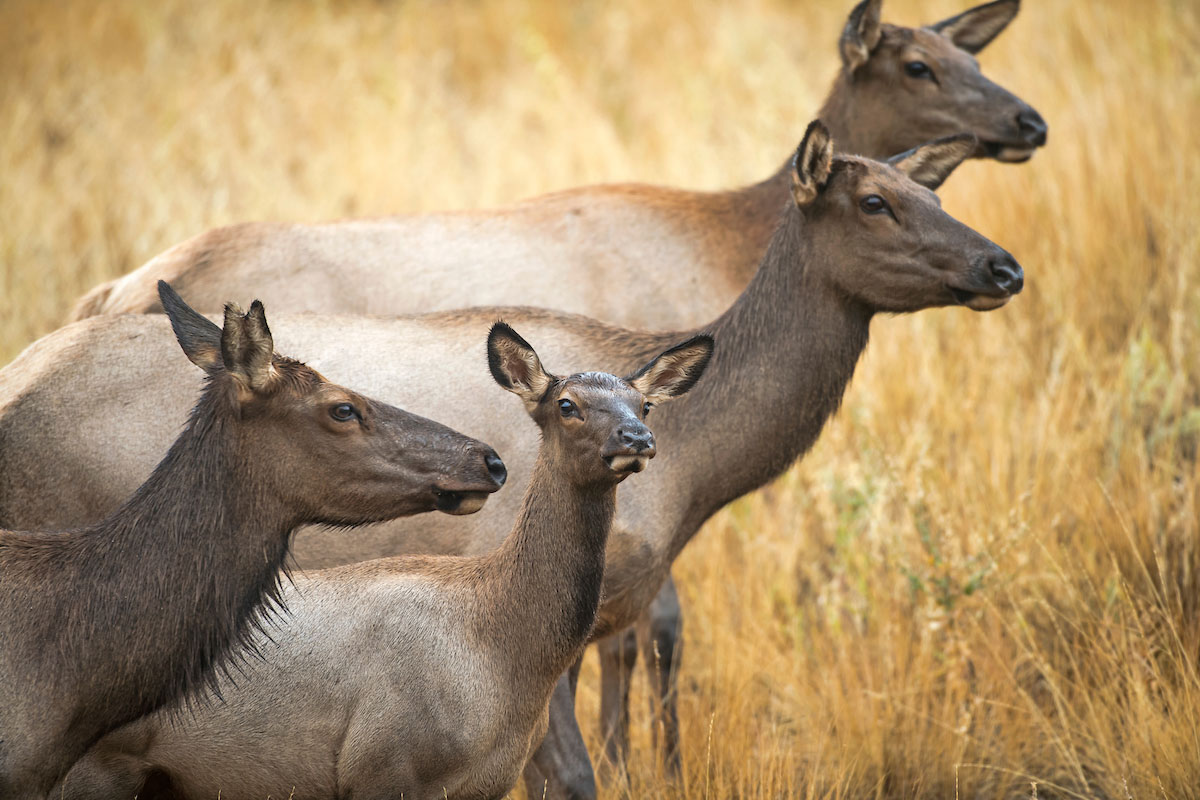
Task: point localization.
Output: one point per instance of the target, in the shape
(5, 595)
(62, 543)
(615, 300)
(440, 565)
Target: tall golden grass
(985, 580)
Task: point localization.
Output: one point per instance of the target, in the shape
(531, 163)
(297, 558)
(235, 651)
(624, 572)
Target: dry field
(985, 580)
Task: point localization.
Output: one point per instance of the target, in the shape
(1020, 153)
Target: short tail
(92, 303)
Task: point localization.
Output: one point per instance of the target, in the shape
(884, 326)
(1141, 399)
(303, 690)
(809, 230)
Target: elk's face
(900, 251)
(879, 233)
(351, 459)
(598, 423)
(913, 85)
(335, 456)
(593, 424)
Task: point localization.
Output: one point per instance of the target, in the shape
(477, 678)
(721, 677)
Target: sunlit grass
(986, 575)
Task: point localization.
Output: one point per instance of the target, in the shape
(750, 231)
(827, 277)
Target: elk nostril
(1032, 126)
(496, 468)
(1008, 275)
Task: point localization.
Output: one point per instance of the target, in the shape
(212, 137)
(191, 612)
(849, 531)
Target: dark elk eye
(567, 407)
(343, 412)
(873, 204)
(918, 69)
(646, 406)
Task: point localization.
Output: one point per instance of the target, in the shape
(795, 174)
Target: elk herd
(155, 639)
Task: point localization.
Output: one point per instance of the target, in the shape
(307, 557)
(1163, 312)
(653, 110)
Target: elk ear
(931, 163)
(861, 34)
(974, 29)
(199, 337)
(516, 366)
(811, 164)
(674, 371)
(247, 347)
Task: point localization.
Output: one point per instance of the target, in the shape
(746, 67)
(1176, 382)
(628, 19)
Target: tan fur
(786, 351)
(413, 677)
(633, 255)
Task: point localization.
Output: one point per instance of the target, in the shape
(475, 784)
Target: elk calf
(102, 625)
(422, 677)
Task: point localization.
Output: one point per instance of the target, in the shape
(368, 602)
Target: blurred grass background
(984, 581)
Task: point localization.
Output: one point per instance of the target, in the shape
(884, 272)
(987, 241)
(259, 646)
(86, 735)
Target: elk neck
(785, 352)
(548, 572)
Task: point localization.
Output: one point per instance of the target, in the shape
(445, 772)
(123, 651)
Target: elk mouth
(627, 464)
(1009, 152)
(458, 501)
(978, 301)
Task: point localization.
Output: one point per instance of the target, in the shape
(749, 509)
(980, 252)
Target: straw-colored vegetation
(985, 578)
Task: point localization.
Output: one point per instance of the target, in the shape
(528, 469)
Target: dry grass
(986, 576)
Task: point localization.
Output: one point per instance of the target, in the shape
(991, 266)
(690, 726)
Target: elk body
(688, 253)
(857, 237)
(421, 677)
(101, 625)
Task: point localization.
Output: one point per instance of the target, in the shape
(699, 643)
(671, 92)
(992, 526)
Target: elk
(856, 237)
(414, 676)
(103, 624)
(897, 87)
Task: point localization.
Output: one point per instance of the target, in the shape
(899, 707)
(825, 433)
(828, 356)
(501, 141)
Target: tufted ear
(811, 164)
(516, 366)
(974, 29)
(931, 163)
(247, 347)
(674, 371)
(199, 337)
(861, 34)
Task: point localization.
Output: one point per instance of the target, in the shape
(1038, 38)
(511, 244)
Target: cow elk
(688, 253)
(103, 624)
(856, 237)
(419, 676)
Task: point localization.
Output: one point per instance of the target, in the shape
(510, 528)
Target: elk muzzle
(992, 280)
(630, 448)
(467, 497)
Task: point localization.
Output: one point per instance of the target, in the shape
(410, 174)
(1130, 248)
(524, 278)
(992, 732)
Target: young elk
(102, 625)
(421, 677)
(898, 87)
(856, 237)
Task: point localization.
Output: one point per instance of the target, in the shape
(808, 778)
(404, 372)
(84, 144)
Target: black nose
(495, 468)
(639, 439)
(1033, 127)
(1007, 273)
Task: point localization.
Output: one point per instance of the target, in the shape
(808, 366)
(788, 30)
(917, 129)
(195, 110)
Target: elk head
(886, 243)
(335, 456)
(595, 422)
(917, 84)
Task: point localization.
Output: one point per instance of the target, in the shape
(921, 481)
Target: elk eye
(918, 69)
(343, 412)
(873, 204)
(567, 408)
(646, 406)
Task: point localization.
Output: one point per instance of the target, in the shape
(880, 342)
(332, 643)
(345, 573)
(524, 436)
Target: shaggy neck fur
(141, 609)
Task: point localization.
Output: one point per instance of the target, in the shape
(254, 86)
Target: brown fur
(103, 624)
(788, 348)
(687, 253)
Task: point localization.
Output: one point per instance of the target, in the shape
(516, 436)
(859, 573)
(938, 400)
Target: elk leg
(560, 768)
(618, 657)
(660, 634)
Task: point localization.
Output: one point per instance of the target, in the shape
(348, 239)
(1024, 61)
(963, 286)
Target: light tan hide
(629, 254)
